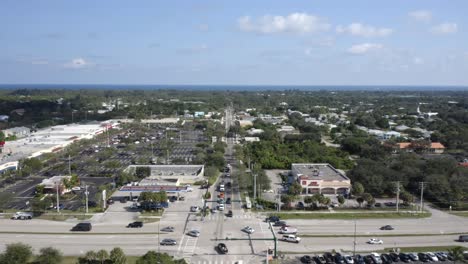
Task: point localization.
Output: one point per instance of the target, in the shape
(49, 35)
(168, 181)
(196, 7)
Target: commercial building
(320, 178)
(171, 174)
(52, 139)
(434, 147)
(18, 132)
(56, 182)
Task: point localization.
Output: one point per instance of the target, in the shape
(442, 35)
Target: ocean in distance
(234, 87)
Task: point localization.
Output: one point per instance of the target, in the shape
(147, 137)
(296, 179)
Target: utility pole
(86, 200)
(69, 165)
(398, 197)
(255, 187)
(421, 184)
(354, 243)
(58, 197)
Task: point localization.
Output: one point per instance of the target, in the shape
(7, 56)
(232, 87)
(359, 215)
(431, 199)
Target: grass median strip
(78, 234)
(350, 216)
(383, 235)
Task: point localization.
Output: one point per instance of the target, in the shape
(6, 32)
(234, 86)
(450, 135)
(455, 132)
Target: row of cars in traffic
(376, 258)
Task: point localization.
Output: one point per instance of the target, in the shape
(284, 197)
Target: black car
(82, 227)
(228, 201)
(328, 258)
(300, 205)
(358, 259)
(306, 259)
(394, 256)
(387, 227)
(272, 218)
(440, 256)
(404, 257)
(339, 259)
(229, 214)
(279, 223)
(368, 259)
(423, 257)
(386, 258)
(168, 242)
(222, 248)
(137, 224)
(319, 260)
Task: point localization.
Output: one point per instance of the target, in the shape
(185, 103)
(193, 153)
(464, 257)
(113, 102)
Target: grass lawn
(61, 217)
(424, 249)
(350, 216)
(74, 260)
(464, 213)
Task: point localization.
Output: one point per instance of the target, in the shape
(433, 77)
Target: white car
(194, 209)
(248, 230)
(290, 238)
(194, 233)
(287, 230)
(375, 241)
(432, 256)
(348, 259)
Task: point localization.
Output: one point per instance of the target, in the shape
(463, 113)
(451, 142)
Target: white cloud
(195, 49)
(77, 63)
(418, 61)
(364, 48)
(308, 51)
(358, 29)
(39, 62)
(292, 23)
(445, 28)
(203, 27)
(421, 15)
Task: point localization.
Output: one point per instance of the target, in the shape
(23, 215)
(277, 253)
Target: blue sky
(328, 42)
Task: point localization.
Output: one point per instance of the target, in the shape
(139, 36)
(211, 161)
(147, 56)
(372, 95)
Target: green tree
(117, 256)
(309, 200)
(142, 172)
(152, 257)
(16, 253)
(49, 255)
(90, 256)
(341, 200)
(295, 189)
(457, 253)
(360, 200)
(406, 197)
(102, 255)
(358, 189)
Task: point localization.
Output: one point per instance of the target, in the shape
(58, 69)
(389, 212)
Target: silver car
(168, 242)
(194, 233)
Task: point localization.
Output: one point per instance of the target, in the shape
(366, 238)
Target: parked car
(404, 257)
(348, 259)
(376, 258)
(300, 205)
(423, 257)
(394, 256)
(432, 256)
(319, 260)
(194, 209)
(82, 227)
(413, 256)
(168, 242)
(306, 259)
(229, 214)
(387, 227)
(339, 259)
(168, 229)
(248, 230)
(194, 233)
(375, 241)
(386, 258)
(222, 248)
(328, 257)
(228, 200)
(137, 224)
(358, 259)
(441, 256)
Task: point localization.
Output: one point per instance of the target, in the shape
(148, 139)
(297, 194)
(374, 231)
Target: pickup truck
(287, 230)
(290, 238)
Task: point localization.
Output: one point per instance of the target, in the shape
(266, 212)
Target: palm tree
(457, 253)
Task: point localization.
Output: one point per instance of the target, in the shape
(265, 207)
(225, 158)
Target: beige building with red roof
(320, 178)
